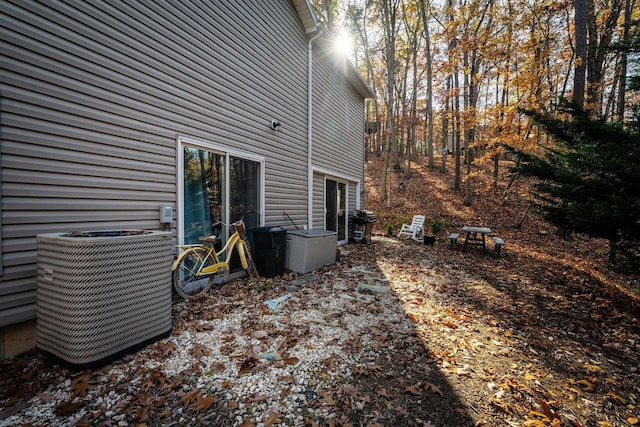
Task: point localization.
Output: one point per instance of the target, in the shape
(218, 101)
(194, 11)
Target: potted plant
(435, 226)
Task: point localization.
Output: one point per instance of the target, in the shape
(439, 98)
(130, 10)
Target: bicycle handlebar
(234, 222)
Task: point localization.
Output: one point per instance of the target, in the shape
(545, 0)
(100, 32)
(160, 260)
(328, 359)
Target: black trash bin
(269, 250)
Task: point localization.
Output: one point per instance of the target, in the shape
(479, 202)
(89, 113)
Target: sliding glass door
(218, 188)
(203, 194)
(336, 207)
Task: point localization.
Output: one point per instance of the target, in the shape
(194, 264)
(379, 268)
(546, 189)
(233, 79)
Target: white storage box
(310, 249)
(102, 294)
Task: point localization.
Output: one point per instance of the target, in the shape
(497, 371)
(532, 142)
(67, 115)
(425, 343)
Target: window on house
(203, 194)
(217, 187)
(335, 207)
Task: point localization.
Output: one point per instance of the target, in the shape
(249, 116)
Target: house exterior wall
(95, 96)
(354, 200)
(337, 123)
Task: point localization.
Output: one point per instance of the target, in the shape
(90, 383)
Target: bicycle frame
(234, 241)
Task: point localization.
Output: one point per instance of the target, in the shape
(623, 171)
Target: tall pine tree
(590, 183)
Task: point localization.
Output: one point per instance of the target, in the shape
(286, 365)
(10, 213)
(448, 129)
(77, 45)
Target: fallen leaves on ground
(543, 336)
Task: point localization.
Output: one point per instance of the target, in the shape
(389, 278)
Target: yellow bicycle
(196, 267)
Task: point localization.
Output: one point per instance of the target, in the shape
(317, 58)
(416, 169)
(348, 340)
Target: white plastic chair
(415, 230)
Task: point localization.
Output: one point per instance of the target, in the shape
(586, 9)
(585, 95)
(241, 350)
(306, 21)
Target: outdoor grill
(362, 225)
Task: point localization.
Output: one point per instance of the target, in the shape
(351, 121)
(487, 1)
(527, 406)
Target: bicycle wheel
(186, 281)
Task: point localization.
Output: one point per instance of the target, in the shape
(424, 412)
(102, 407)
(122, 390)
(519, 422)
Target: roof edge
(313, 26)
(356, 80)
(309, 19)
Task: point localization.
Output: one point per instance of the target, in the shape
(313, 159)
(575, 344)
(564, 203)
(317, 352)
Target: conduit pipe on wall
(310, 133)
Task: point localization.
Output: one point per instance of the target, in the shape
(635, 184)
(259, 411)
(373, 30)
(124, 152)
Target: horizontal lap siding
(338, 121)
(318, 201)
(94, 95)
(351, 197)
(337, 131)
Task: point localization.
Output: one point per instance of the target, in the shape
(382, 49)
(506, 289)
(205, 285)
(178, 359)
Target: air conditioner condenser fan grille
(99, 297)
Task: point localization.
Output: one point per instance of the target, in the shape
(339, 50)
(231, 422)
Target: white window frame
(346, 203)
(326, 173)
(222, 150)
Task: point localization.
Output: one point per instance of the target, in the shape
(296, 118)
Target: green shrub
(437, 225)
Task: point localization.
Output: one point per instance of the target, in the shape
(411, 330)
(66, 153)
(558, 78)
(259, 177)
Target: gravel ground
(396, 333)
(275, 351)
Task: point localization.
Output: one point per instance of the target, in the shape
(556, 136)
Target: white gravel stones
(305, 330)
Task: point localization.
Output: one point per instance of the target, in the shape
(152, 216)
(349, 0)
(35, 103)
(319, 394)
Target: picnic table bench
(497, 245)
(453, 239)
(473, 235)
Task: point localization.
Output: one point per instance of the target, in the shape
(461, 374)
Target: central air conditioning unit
(102, 294)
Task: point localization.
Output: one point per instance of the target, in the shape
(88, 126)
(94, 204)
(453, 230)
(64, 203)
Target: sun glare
(343, 43)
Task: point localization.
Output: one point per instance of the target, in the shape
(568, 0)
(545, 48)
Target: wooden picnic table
(471, 234)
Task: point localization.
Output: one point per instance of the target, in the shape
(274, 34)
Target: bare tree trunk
(412, 24)
(328, 8)
(429, 69)
(445, 126)
(611, 109)
(496, 158)
(579, 79)
(457, 125)
(455, 92)
(623, 64)
(389, 15)
(467, 149)
(414, 105)
(598, 45)
(567, 74)
(520, 221)
(412, 140)
(358, 19)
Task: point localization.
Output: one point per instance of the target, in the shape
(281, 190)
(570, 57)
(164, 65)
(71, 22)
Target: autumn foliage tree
(471, 65)
(589, 178)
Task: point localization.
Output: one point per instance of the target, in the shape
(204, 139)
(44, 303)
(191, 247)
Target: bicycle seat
(208, 239)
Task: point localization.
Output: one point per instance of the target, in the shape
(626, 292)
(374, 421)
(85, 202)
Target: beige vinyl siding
(319, 193)
(351, 197)
(338, 117)
(95, 94)
(338, 121)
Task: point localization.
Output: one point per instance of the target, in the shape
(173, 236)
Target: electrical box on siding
(166, 214)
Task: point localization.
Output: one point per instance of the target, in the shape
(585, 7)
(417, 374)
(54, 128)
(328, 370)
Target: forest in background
(453, 73)
(479, 80)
